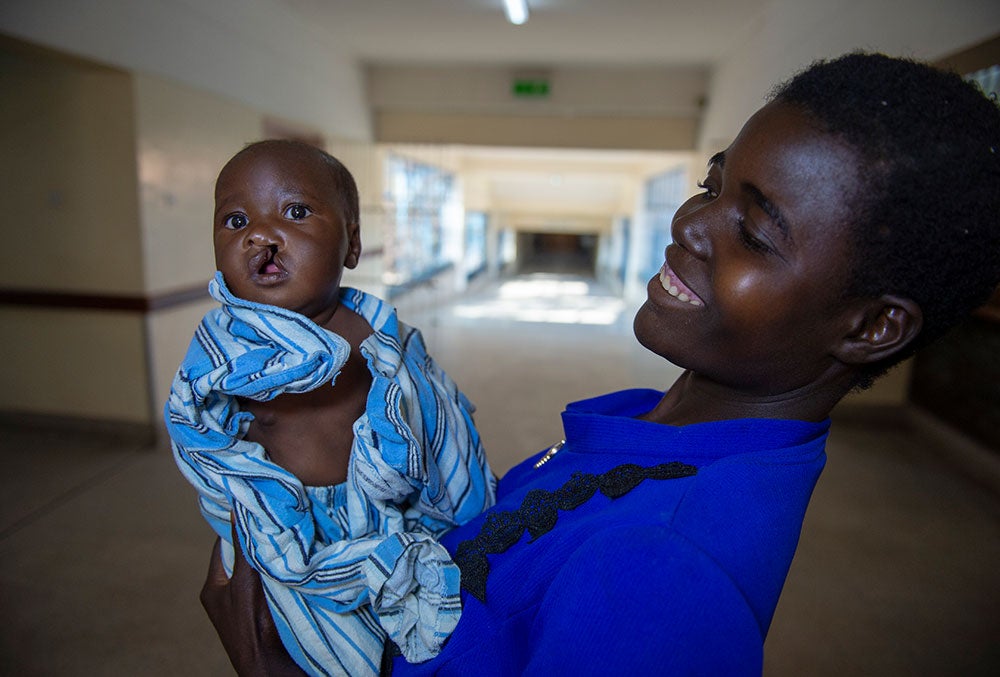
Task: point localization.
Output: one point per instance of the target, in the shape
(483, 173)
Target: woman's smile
(676, 287)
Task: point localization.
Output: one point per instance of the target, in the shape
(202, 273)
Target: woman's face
(750, 293)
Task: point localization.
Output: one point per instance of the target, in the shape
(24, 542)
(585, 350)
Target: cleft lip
(264, 265)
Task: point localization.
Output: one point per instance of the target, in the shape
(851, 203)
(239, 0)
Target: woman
(853, 219)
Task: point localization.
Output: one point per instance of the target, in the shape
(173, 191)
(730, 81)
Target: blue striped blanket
(343, 566)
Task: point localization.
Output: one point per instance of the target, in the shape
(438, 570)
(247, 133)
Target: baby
(336, 494)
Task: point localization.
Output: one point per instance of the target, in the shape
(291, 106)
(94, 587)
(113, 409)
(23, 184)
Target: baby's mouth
(673, 286)
(264, 262)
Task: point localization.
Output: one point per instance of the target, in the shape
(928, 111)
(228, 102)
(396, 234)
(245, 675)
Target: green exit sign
(531, 88)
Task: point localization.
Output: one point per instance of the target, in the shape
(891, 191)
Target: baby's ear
(880, 328)
(353, 246)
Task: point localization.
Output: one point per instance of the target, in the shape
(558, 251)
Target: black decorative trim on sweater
(540, 509)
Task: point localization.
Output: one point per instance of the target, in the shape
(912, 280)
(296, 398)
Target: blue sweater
(679, 575)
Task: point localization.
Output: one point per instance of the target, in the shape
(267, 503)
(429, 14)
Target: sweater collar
(607, 424)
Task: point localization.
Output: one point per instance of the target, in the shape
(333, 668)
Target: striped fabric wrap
(343, 566)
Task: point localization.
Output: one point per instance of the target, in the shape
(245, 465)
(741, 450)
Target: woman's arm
(238, 610)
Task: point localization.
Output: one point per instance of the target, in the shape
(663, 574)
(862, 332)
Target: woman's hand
(238, 610)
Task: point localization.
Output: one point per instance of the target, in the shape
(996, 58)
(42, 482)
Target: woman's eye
(709, 191)
(750, 241)
(297, 212)
(235, 221)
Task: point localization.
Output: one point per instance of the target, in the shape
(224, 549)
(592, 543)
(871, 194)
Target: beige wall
(68, 183)
(574, 90)
(255, 52)
(588, 107)
(794, 33)
(184, 136)
(74, 363)
(586, 131)
(67, 176)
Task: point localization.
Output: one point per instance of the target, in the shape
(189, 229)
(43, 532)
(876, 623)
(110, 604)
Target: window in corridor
(664, 194)
(475, 243)
(417, 201)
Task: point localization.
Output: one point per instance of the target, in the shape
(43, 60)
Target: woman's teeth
(676, 289)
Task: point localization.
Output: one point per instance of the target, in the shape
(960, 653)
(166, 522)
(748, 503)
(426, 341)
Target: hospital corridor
(517, 183)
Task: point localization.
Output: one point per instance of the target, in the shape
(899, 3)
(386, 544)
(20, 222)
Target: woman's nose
(691, 229)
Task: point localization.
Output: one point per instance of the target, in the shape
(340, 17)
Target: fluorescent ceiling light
(516, 10)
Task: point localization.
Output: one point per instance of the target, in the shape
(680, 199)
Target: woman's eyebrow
(768, 208)
(761, 200)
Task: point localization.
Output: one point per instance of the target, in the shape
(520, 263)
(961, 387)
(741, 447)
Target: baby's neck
(348, 324)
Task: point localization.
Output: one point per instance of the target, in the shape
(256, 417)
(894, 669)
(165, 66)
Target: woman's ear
(880, 328)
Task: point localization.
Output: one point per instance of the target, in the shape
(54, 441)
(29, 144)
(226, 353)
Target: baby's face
(279, 230)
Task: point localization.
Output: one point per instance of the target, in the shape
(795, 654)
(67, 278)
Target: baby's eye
(236, 221)
(297, 212)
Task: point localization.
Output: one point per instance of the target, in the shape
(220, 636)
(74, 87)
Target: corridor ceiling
(558, 32)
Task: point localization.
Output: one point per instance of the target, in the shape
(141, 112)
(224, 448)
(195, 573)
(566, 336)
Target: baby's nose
(262, 236)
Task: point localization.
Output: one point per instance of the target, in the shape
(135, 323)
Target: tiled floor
(102, 550)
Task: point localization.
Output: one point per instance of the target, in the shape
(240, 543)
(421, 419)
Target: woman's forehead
(783, 157)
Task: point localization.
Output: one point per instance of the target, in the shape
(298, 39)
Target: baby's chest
(310, 434)
(320, 410)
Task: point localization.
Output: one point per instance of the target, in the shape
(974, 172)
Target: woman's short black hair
(928, 212)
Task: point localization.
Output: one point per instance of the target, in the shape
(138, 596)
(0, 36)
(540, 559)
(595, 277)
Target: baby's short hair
(927, 215)
(342, 179)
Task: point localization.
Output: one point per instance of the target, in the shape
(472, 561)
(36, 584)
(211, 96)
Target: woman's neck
(695, 399)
